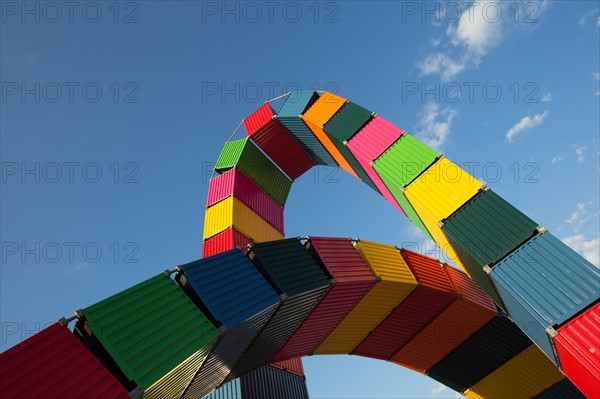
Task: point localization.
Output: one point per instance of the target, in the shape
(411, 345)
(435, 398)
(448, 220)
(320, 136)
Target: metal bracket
(487, 269)
(551, 332)
(65, 321)
(136, 393)
(541, 229)
(79, 314)
(485, 188)
(440, 223)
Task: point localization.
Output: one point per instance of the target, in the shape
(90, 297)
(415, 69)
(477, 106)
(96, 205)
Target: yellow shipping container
(396, 283)
(442, 189)
(438, 235)
(524, 376)
(232, 212)
(316, 117)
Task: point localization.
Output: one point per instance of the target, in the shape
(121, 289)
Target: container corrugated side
(330, 147)
(406, 206)
(235, 183)
(289, 266)
(258, 119)
(465, 316)
(374, 139)
(578, 348)
(364, 146)
(226, 353)
(277, 331)
(224, 241)
(54, 364)
(230, 390)
(488, 227)
(347, 121)
(291, 366)
(404, 160)
(174, 383)
(282, 148)
(493, 345)
(244, 155)
(297, 102)
(550, 279)
(324, 108)
(158, 328)
(307, 139)
(228, 286)
(524, 376)
(231, 212)
(562, 390)
(438, 236)
(441, 189)
(396, 283)
(271, 383)
(434, 293)
(353, 279)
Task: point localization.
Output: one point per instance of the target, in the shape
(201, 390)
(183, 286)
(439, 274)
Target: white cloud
(584, 18)
(433, 127)
(579, 216)
(526, 123)
(547, 98)
(580, 151)
(439, 389)
(596, 75)
(436, 42)
(441, 64)
(479, 28)
(557, 159)
(588, 248)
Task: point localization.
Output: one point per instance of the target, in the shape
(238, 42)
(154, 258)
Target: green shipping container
(244, 155)
(404, 160)
(347, 121)
(489, 228)
(150, 329)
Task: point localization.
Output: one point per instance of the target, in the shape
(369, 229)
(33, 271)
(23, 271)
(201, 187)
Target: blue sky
(112, 116)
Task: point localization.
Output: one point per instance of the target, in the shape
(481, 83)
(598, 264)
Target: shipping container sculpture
(521, 319)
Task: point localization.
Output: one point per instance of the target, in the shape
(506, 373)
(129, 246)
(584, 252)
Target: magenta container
(234, 182)
(368, 144)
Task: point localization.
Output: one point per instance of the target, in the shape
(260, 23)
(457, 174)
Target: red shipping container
(224, 241)
(55, 364)
(578, 348)
(234, 182)
(293, 366)
(465, 316)
(434, 294)
(368, 144)
(353, 279)
(275, 141)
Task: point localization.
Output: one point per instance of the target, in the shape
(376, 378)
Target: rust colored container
(434, 293)
(293, 366)
(224, 241)
(353, 279)
(269, 134)
(54, 364)
(578, 348)
(470, 312)
(235, 183)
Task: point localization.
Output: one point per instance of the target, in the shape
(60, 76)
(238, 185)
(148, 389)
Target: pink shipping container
(353, 280)
(368, 144)
(55, 364)
(234, 182)
(434, 293)
(293, 366)
(224, 241)
(578, 348)
(274, 140)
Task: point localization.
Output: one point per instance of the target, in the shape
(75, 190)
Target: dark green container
(404, 160)
(245, 156)
(488, 227)
(150, 329)
(347, 121)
